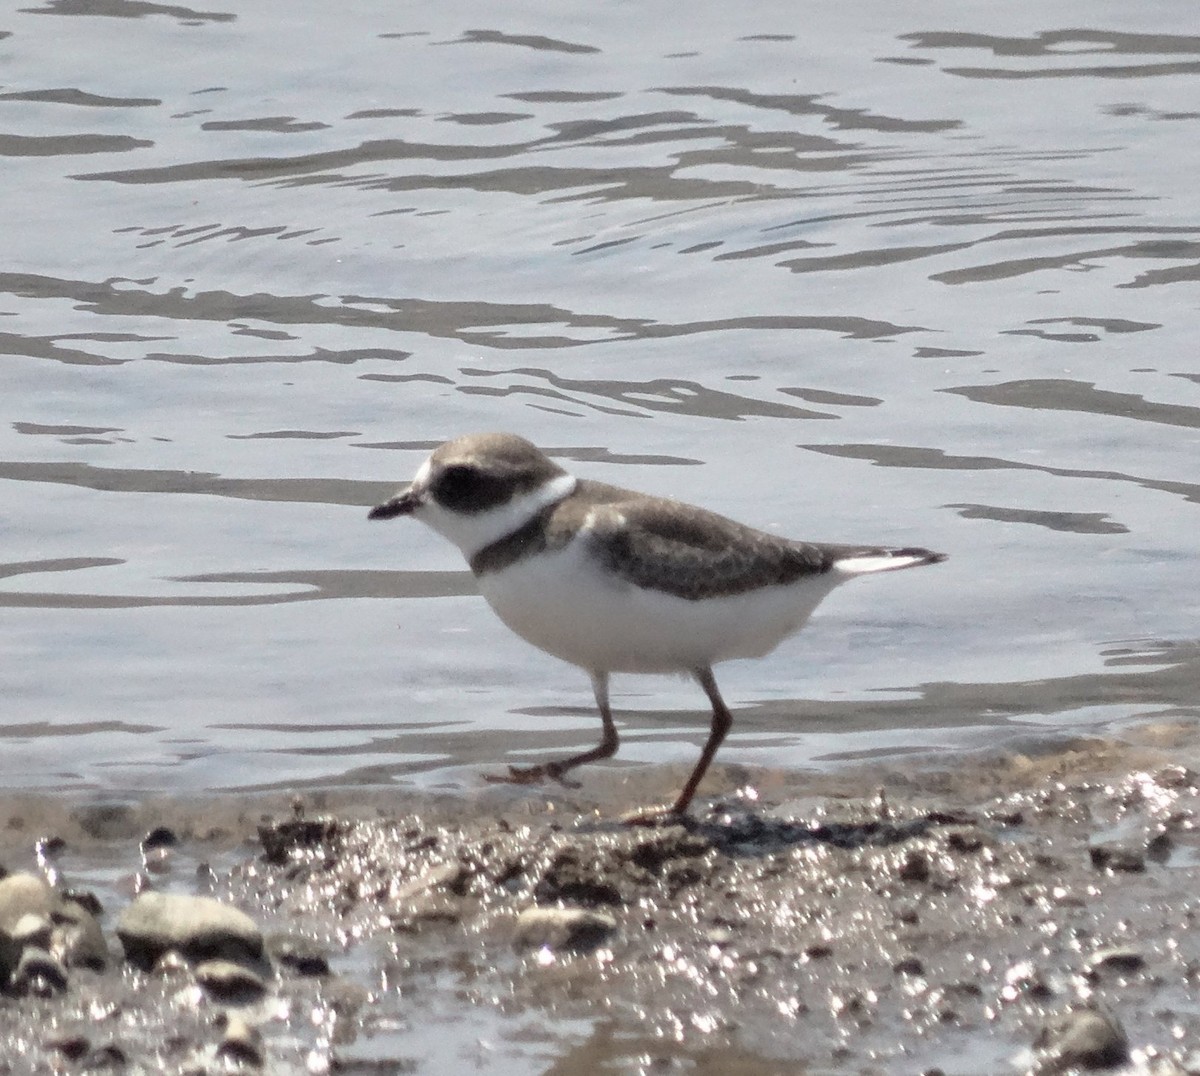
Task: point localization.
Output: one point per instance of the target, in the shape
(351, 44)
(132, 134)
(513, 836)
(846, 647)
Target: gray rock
(200, 928)
(1119, 960)
(242, 1043)
(71, 1044)
(38, 973)
(298, 955)
(106, 821)
(229, 982)
(32, 930)
(1084, 1038)
(563, 928)
(25, 900)
(1115, 856)
(77, 939)
(24, 894)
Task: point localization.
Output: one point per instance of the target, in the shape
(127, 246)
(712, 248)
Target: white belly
(563, 604)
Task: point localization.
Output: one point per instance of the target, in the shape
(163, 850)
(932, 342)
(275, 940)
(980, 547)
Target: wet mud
(1027, 914)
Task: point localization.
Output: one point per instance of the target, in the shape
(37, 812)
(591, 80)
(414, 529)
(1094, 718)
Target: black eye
(463, 488)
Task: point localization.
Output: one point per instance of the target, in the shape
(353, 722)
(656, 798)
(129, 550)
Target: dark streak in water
(812, 105)
(665, 395)
(529, 41)
(1191, 67)
(61, 564)
(73, 96)
(1051, 43)
(36, 729)
(67, 145)
(129, 9)
(1072, 522)
(318, 586)
(1014, 267)
(1052, 394)
(936, 459)
(453, 320)
(197, 483)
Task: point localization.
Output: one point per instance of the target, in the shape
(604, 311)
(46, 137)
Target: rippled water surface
(916, 274)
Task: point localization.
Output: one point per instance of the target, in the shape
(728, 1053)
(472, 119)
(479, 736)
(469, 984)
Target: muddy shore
(1003, 914)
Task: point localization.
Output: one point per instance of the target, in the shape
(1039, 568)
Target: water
(864, 273)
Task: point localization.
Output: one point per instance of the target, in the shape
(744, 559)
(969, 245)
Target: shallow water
(863, 274)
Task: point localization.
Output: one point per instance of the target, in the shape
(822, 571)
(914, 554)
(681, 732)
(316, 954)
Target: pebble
(1085, 1038)
(72, 1045)
(563, 928)
(31, 930)
(229, 982)
(200, 928)
(23, 894)
(299, 956)
(159, 837)
(1120, 960)
(242, 1043)
(1117, 857)
(914, 867)
(34, 916)
(38, 973)
(77, 937)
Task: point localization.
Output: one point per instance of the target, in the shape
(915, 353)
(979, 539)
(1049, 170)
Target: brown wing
(684, 551)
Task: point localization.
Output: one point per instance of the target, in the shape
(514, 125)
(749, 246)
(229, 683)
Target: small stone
(914, 867)
(77, 938)
(449, 876)
(965, 839)
(38, 973)
(1159, 848)
(1027, 978)
(229, 982)
(719, 936)
(428, 909)
(909, 965)
(49, 847)
(242, 1043)
(300, 957)
(22, 896)
(1121, 960)
(159, 837)
(31, 930)
(1085, 1038)
(200, 928)
(563, 928)
(281, 839)
(1117, 857)
(110, 1055)
(71, 1044)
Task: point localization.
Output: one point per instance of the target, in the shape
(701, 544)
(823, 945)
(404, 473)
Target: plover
(617, 581)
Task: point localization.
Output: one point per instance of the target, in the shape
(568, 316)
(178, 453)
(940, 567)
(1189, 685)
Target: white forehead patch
(422, 475)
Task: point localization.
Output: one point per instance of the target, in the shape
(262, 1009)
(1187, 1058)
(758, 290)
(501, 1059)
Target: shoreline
(1009, 913)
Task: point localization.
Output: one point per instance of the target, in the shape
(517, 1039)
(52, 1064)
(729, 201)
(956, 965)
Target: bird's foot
(652, 816)
(532, 775)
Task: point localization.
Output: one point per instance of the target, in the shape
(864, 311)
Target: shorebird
(617, 581)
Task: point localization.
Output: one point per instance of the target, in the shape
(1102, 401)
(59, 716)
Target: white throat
(471, 533)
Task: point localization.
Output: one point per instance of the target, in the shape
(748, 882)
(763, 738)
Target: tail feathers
(885, 560)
